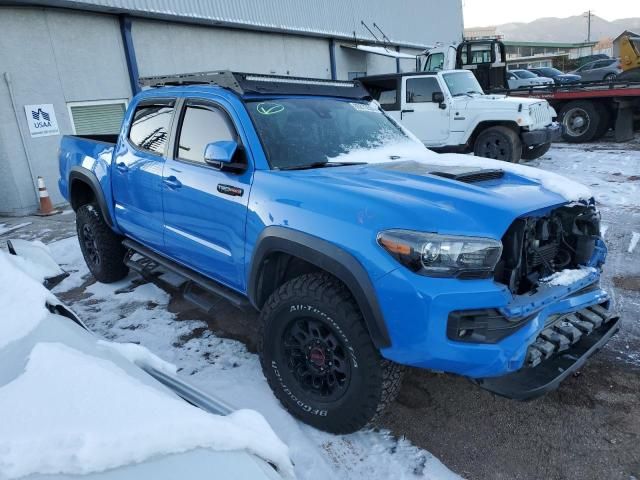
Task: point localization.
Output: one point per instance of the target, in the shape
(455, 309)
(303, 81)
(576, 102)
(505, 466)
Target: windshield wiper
(463, 93)
(320, 165)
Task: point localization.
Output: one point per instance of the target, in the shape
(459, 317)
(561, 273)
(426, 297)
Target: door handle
(122, 167)
(172, 182)
(407, 111)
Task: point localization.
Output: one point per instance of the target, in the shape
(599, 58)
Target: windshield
(524, 74)
(297, 132)
(461, 83)
(550, 72)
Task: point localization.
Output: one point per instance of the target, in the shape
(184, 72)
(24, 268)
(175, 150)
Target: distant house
(544, 54)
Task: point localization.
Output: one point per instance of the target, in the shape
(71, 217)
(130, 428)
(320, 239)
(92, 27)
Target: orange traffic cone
(46, 207)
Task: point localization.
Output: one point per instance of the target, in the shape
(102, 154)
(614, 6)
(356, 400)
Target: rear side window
(202, 125)
(420, 90)
(150, 127)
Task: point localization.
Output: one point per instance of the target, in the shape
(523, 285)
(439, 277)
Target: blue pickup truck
(363, 251)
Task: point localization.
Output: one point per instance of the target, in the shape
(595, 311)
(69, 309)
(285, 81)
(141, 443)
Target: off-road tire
(374, 382)
(588, 112)
(529, 154)
(105, 258)
(499, 143)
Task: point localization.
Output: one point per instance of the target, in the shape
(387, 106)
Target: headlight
(436, 255)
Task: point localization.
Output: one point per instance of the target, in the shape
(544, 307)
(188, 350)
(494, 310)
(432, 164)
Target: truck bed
(91, 152)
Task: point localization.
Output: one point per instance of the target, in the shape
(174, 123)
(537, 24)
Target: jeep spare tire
(318, 358)
(499, 143)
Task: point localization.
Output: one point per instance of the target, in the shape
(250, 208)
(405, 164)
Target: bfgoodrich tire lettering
(338, 401)
(101, 247)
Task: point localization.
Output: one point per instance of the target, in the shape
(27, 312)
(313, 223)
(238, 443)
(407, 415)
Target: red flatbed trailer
(588, 110)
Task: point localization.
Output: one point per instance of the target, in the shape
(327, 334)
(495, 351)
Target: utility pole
(588, 15)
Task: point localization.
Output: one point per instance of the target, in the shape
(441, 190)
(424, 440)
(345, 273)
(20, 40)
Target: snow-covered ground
(134, 311)
(129, 311)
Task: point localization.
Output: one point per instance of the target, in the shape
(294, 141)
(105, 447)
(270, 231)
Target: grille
(541, 115)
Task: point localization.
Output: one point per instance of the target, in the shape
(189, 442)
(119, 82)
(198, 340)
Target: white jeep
(448, 111)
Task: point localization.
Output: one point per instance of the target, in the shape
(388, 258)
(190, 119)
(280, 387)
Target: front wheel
(499, 143)
(101, 247)
(535, 152)
(318, 358)
(610, 77)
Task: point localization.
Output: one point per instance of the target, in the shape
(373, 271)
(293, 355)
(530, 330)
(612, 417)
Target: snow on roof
(74, 413)
(415, 150)
(22, 298)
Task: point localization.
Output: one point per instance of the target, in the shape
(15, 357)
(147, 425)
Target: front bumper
(417, 312)
(548, 134)
(560, 350)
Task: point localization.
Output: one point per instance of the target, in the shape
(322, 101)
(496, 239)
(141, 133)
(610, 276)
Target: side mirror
(438, 97)
(220, 153)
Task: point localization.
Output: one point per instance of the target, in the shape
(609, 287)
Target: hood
(454, 194)
(495, 102)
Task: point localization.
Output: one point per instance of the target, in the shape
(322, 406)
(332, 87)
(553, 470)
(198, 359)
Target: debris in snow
(568, 276)
(412, 150)
(23, 301)
(635, 236)
(140, 355)
(603, 230)
(73, 413)
(6, 229)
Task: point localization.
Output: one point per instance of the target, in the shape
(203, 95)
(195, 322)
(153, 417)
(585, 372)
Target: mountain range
(570, 29)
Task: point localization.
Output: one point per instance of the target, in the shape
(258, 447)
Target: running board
(196, 286)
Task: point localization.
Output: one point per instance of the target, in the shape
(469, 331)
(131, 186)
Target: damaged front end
(536, 247)
(540, 259)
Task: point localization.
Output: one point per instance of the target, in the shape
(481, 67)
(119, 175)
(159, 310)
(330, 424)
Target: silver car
(62, 417)
(599, 71)
(525, 79)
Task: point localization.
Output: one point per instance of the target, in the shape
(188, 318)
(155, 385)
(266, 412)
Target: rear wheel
(609, 77)
(535, 152)
(499, 143)
(318, 358)
(101, 247)
(580, 121)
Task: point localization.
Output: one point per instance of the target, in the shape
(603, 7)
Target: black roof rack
(248, 83)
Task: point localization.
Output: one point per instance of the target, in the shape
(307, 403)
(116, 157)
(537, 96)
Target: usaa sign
(42, 120)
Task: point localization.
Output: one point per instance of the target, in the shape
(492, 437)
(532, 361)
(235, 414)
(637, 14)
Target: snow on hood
(416, 151)
(74, 413)
(22, 299)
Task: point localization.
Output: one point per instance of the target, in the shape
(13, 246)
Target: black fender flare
(328, 257)
(81, 174)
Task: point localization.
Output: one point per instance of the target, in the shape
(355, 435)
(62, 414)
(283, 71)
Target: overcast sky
(481, 13)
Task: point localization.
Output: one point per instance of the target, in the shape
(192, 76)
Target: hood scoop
(472, 177)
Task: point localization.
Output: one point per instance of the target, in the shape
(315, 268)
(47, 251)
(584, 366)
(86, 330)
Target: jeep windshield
(462, 83)
(302, 133)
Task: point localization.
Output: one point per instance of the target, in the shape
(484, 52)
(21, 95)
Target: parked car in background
(599, 71)
(76, 406)
(525, 79)
(560, 78)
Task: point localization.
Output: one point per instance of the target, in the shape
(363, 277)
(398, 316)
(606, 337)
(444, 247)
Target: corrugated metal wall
(406, 22)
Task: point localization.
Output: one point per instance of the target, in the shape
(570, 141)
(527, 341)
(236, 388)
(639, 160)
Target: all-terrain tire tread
(109, 244)
(329, 291)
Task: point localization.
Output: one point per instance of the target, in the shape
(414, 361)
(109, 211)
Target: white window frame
(124, 101)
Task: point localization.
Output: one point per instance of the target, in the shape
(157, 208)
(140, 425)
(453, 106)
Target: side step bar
(182, 276)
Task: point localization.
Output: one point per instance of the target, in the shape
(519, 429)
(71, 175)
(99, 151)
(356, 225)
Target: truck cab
(449, 111)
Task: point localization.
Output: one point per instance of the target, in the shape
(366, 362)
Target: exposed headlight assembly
(436, 255)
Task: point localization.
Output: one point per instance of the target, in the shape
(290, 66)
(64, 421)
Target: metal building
(71, 66)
